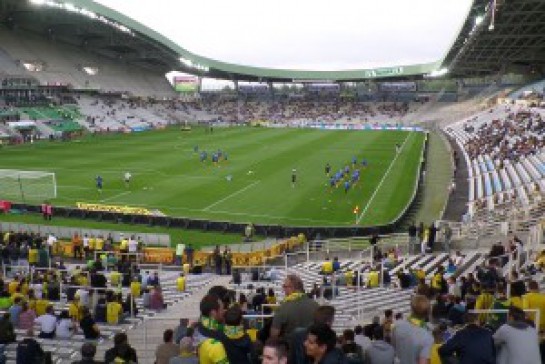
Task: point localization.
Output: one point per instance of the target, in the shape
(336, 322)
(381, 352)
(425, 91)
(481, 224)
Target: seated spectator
(29, 351)
(146, 298)
(122, 351)
(187, 353)
(65, 326)
(48, 324)
(88, 326)
(156, 299)
(26, 318)
(167, 350)
(380, 351)
(88, 352)
(7, 332)
(15, 311)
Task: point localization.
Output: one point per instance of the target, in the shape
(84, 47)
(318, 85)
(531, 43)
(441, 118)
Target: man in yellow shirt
(210, 349)
(180, 283)
(136, 287)
(535, 300)
(75, 310)
(12, 286)
(41, 306)
(99, 243)
(373, 279)
(115, 278)
(32, 255)
(113, 312)
(327, 266)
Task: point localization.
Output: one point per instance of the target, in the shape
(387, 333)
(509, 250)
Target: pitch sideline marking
(231, 195)
(382, 180)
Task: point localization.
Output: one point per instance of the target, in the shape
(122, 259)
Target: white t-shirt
(85, 242)
(38, 289)
(47, 322)
(83, 295)
(51, 240)
(127, 176)
(133, 246)
(64, 329)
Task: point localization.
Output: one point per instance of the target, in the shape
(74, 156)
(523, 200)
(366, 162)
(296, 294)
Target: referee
(293, 177)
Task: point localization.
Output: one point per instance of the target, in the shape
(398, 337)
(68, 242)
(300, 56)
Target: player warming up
(293, 178)
(127, 178)
(99, 181)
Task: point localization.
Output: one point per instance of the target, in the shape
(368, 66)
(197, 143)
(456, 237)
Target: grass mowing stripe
(377, 188)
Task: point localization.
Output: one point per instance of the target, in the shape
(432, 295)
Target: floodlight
(70, 7)
(479, 19)
(37, 2)
(491, 27)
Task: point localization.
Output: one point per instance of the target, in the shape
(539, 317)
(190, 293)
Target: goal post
(27, 185)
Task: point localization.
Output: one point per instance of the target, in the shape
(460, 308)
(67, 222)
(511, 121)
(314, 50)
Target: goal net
(27, 185)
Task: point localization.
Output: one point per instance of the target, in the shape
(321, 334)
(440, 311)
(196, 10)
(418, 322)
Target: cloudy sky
(305, 34)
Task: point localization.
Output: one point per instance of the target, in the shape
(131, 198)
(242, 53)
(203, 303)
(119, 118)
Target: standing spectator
(297, 310)
(210, 348)
(472, 344)
(359, 338)
(412, 238)
(275, 352)
(447, 233)
(380, 351)
(228, 260)
(121, 351)
(320, 345)
(518, 342)
(323, 315)
(217, 259)
(535, 300)
(238, 345)
(181, 330)
(351, 350)
(88, 352)
(411, 339)
(156, 299)
(167, 350)
(15, 311)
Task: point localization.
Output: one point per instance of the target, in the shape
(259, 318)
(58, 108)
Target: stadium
(164, 205)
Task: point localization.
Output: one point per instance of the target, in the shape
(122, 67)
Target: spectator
(187, 353)
(181, 330)
(121, 351)
(320, 345)
(156, 299)
(15, 311)
(48, 324)
(297, 310)
(65, 326)
(275, 352)
(359, 338)
(7, 332)
(535, 300)
(114, 312)
(88, 352)
(370, 328)
(388, 323)
(411, 339)
(88, 326)
(517, 340)
(29, 351)
(323, 315)
(167, 350)
(352, 351)
(472, 344)
(26, 318)
(238, 345)
(380, 351)
(211, 349)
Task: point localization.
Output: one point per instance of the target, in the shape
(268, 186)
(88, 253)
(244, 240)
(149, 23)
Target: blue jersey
(346, 185)
(99, 181)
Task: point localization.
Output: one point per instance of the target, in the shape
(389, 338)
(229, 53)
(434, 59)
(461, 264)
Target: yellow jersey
(211, 351)
(186, 268)
(517, 302)
(33, 256)
(75, 311)
(115, 278)
(113, 311)
(41, 306)
(535, 301)
(434, 354)
(99, 244)
(372, 280)
(12, 287)
(92, 243)
(135, 289)
(180, 284)
(327, 267)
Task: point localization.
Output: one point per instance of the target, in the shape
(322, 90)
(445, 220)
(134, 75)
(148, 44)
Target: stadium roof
(499, 36)
(517, 38)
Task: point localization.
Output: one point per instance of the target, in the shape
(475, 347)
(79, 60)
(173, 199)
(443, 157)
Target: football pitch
(253, 185)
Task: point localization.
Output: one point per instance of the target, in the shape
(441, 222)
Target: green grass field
(168, 176)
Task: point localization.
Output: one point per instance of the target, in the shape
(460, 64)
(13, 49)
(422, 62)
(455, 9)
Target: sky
(305, 34)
